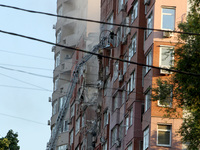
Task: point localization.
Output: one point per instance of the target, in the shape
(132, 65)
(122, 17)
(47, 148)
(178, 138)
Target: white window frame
(162, 18)
(71, 137)
(164, 130)
(116, 102)
(134, 13)
(105, 146)
(56, 82)
(131, 117)
(61, 102)
(77, 127)
(114, 135)
(58, 36)
(133, 46)
(132, 82)
(130, 147)
(125, 64)
(127, 124)
(55, 107)
(146, 138)
(105, 118)
(62, 147)
(128, 87)
(57, 59)
(65, 126)
(72, 110)
(148, 61)
(147, 100)
(83, 120)
(170, 102)
(149, 23)
(116, 72)
(162, 47)
(120, 4)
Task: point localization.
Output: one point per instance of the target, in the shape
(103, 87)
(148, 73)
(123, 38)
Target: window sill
(160, 145)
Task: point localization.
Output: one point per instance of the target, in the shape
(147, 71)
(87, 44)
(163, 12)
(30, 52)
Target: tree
(186, 88)
(10, 141)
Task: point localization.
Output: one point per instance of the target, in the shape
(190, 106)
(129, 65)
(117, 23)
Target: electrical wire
(24, 119)
(25, 54)
(95, 21)
(96, 54)
(25, 82)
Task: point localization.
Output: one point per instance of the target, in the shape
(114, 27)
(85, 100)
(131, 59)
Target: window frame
(116, 72)
(149, 59)
(147, 93)
(171, 50)
(58, 36)
(132, 81)
(114, 136)
(105, 118)
(162, 17)
(170, 137)
(149, 23)
(146, 138)
(134, 12)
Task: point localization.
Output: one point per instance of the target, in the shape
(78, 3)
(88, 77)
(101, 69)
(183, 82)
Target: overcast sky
(24, 105)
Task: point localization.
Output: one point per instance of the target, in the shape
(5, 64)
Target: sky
(24, 105)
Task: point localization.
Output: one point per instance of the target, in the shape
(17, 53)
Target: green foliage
(186, 87)
(10, 141)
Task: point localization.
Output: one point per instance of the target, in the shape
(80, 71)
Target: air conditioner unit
(118, 143)
(67, 56)
(100, 84)
(162, 71)
(49, 122)
(54, 26)
(50, 99)
(146, 2)
(121, 77)
(167, 34)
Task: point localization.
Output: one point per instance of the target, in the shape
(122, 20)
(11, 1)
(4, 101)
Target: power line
(25, 82)
(22, 119)
(95, 21)
(100, 55)
(19, 87)
(26, 55)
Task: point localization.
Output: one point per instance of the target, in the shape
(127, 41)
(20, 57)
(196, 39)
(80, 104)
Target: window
(131, 117)
(114, 135)
(125, 64)
(116, 67)
(149, 23)
(57, 60)
(72, 110)
(168, 18)
(53, 132)
(147, 100)
(65, 126)
(62, 147)
(105, 146)
(128, 87)
(132, 47)
(123, 95)
(166, 56)
(148, 61)
(71, 137)
(164, 135)
(56, 83)
(55, 107)
(77, 125)
(60, 9)
(132, 86)
(118, 37)
(115, 102)
(105, 116)
(83, 120)
(127, 124)
(110, 20)
(58, 37)
(134, 12)
(146, 139)
(130, 147)
(62, 100)
(121, 129)
(167, 97)
(120, 4)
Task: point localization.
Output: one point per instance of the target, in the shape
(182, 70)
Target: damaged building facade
(101, 103)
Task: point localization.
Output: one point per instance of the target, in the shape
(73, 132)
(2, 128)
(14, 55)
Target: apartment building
(129, 119)
(67, 127)
(109, 105)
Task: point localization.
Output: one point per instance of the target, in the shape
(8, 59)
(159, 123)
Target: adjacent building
(110, 107)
